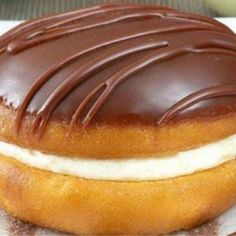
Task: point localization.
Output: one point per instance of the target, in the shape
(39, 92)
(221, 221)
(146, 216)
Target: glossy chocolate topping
(123, 62)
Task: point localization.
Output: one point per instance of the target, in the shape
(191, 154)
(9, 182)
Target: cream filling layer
(141, 169)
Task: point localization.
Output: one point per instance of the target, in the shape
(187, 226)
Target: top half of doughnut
(117, 65)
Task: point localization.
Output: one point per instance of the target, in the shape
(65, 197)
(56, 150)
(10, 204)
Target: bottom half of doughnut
(80, 206)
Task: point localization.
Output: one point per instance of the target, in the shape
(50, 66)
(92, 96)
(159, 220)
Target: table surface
(24, 9)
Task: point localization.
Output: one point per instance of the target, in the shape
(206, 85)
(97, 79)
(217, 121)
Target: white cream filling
(152, 168)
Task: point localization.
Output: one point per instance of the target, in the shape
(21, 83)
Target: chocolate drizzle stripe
(159, 15)
(31, 25)
(216, 51)
(2, 50)
(28, 26)
(17, 46)
(110, 84)
(38, 37)
(192, 99)
(174, 35)
(202, 19)
(58, 66)
(84, 104)
(105, 11)
(215, 44)
(71, 28)
(114, 81)
(21, 44)
(121, 76)
(80, 76)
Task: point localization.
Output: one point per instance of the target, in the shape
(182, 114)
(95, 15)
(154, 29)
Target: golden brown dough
(105, 207)
(119, 142)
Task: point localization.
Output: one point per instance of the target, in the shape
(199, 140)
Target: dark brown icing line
(25, 31)
(220, 40)
(47, 33)
(62, 91)
(110, 84)
(192, 99)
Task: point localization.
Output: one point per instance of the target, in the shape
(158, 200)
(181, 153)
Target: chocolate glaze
(120, 62)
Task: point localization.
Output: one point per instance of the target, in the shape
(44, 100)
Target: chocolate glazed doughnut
(118, 119)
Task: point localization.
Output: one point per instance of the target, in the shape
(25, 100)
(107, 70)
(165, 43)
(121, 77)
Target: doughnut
(118, 119)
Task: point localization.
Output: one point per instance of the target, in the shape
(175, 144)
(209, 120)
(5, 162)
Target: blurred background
(24, 9)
